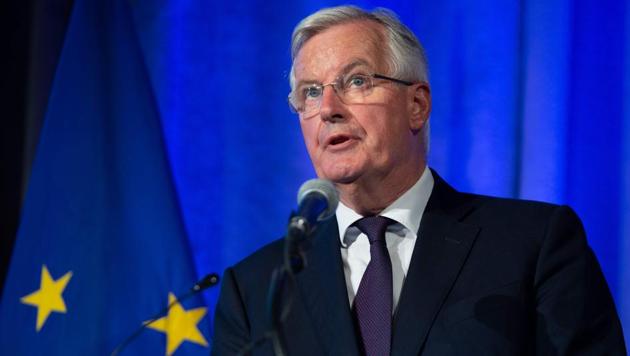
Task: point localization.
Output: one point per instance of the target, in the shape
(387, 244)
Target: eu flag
(101, 246)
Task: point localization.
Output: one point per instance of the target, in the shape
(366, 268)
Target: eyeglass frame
(334, 84)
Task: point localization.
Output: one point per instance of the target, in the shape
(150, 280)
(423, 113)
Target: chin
(341, 168)
(339, 175)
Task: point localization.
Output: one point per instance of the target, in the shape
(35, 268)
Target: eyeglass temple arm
(399, 81)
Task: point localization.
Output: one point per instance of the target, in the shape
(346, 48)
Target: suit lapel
(323, 288)
(440, 252)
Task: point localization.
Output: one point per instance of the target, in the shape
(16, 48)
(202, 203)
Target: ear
(419, 105)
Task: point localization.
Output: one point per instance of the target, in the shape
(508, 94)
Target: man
(408, 265)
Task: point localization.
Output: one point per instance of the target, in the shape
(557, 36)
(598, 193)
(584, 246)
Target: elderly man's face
(371, 140)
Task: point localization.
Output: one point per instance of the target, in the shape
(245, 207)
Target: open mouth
(337, 140)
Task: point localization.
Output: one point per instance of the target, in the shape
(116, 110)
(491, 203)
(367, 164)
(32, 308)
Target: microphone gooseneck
(210, 280)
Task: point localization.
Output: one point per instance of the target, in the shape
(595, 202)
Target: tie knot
(374, 227)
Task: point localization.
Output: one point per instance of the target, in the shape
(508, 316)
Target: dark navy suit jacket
(488, 276)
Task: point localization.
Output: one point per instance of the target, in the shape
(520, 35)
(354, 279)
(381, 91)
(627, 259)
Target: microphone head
(323, 188)
(206, 282)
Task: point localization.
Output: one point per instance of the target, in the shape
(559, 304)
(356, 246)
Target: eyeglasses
(351, 89)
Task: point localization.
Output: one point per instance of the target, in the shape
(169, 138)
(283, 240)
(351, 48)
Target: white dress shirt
(401, 237)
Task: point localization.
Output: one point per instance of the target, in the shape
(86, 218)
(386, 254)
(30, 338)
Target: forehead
(324, 54)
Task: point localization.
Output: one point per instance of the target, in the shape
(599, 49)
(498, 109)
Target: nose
(331, 108)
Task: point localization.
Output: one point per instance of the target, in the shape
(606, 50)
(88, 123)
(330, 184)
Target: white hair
(406, 58)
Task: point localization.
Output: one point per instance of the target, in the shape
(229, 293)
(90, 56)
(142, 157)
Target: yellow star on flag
(180, 325)
(48, 298)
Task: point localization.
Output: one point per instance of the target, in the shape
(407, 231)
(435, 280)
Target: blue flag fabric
(101, 247)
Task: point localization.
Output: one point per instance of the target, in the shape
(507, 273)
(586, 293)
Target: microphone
(317, 201)
(208, 281)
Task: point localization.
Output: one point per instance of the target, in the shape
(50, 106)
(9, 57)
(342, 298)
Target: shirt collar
(407, 210)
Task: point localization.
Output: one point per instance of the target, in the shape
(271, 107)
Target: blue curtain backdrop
(531, 100)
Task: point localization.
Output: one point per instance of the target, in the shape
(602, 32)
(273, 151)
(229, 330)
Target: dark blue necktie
(373, 303)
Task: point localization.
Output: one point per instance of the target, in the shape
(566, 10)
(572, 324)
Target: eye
(356, 81)
(312, 92)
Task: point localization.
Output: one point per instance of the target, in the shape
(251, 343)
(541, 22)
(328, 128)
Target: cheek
(387, 132)
(310, 133)
(377, 129)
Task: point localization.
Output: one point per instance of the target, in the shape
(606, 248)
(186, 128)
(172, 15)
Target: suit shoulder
(511, 205)
(518, 214)
(263, 260)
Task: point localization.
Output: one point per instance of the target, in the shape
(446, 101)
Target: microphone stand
(317, 200)
(294, 262)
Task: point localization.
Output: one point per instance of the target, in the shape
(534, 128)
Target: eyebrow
(344, 70)
(350, 66)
